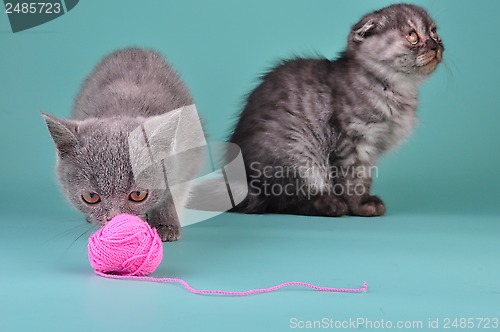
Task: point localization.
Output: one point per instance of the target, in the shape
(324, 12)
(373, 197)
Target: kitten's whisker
(65, 232)
(449, 60)
(78, 238)
(69, 230)
(450, 67)
(88, 229)
(70, 221)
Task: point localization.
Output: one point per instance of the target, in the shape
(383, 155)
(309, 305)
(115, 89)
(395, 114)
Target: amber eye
(138, 196)
(91, 198)
(434, 35)
(412, 37)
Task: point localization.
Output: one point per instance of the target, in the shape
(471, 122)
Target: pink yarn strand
(229, 293)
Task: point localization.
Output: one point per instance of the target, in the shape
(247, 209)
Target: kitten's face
(400, 39)
(94, 170)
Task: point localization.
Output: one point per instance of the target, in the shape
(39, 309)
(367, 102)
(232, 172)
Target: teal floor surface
(419, 268)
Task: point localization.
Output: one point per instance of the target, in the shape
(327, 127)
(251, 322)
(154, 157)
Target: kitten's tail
(218, 196)
(224, 187)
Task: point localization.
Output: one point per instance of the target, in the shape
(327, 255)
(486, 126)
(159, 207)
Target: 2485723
(33, 8)
(470, 323)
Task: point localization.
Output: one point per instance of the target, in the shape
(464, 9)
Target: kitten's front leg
(166, 222)
(355, 181)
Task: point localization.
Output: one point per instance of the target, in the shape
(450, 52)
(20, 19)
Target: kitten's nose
(112, 214)
(431, 43)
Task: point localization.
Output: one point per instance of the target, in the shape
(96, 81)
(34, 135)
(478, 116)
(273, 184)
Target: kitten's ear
(363, 28)
(63, 133)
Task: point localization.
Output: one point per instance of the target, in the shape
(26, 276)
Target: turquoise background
(436, 253)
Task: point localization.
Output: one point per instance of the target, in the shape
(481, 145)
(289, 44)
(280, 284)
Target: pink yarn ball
(127, 245)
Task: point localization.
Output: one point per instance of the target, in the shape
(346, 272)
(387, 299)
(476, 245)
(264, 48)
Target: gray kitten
(125, 89)
(313, 129)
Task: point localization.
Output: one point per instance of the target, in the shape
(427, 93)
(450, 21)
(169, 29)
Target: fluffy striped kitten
(313, 129)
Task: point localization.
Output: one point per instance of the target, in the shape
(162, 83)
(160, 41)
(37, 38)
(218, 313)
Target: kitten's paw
(331, 206)
(168, 233)
(369, 206)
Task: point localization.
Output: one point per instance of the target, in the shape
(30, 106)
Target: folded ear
(363, 28)
(63, 133)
